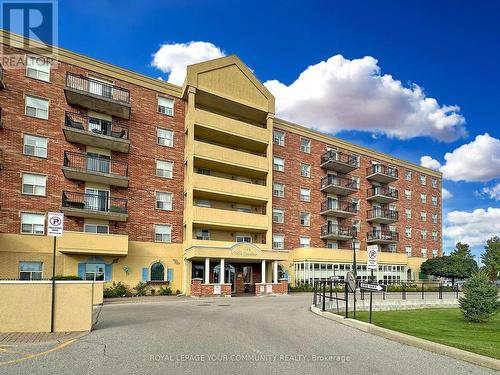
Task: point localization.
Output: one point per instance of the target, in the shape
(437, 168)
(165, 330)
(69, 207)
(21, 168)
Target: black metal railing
(339, 181)
(382, 169)
(94, 202)
(383, 235)
(382, 213)
(95, 87)
(337, 230)
(97, 163)
(340, 157)
(382, 190)
(116, 129)
(339, 205)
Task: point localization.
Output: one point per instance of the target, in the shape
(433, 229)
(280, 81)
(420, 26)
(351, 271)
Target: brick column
(284, 286)
(196, 287)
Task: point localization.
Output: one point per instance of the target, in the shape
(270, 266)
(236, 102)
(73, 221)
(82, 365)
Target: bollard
(440, 291)
(323, 301)
(315, 295)
(422, 290)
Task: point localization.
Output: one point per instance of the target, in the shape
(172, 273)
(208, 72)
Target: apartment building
(200, 187)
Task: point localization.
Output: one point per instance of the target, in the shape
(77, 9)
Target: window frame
(36, 109)
(282, 247)
(281, 140)
(305, 223)
(37, 77)
(301, 195)
(171, 169)
(307, 149)
(282, 190)
(35, 147)
(30, 278)
(158, 106)
(308, 241)
(32, 232)
(277, 213)
(158, 137)
(282, 165)
(308, 170)
(23, 184)
(159, 201)
(85, 225)
(156, 226)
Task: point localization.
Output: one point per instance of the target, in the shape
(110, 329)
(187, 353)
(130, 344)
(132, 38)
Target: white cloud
(473, 228)
(492, 192)
(173, 58)
(445, 194)
(478, 160)
(341, 94)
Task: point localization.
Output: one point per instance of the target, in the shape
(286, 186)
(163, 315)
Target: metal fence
(97, 88)
(115, 128)
(91, 163)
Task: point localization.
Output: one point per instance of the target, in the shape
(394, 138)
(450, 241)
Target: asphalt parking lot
(254, 335)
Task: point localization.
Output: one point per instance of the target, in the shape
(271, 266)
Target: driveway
(250, 335)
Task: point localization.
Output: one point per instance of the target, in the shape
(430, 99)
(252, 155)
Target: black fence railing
(95, 163)
(339, 205)
(98, 88)
(382, 169)
(338, 230)
(116, 129)
(100, 202)
(382, 190)
(383, 235)
(339, 181)
(382, 213)
(340, 157)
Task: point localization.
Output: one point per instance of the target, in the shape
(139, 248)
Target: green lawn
(445, 326)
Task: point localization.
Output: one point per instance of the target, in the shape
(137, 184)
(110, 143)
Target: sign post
(55, 224)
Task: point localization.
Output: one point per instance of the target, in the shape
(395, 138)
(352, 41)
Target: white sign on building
(55, 224)
(372, 251)
(217, 289)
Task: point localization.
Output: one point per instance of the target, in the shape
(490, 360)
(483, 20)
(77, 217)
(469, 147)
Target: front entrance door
(229, 275)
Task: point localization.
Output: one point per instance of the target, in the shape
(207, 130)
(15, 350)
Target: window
(423, 234)
(434, 235)
(392, 248)
(332, 245)
(434, 218)
(96, 228)
(244, 238)
(36, 107)
(305, 170)
(166, 106)
(35, 146)
(244, 208)
(434, 253)
(305, 219)
(305, 145)
(355, 180)
(206, 172)
(203, 203)
(408, 232)
(305, 241)
(408, 251)
(356, 224)
(202, 234)
(34, 184)
(157, 272)
(278, 216)
(32, 223)
(30, 270)
(38, 68)
(278, 164)
(95, 271)
(163, 201)
(408, 213)
(407, 194)
(423, 198)
(424, 253)
(434, 182)
(423, 179)
(305, 194)
(165, 137)
(163, 233)
(423, 216)
(164, 168)
(407, 175)
(279, 138)
(434, 201)
(278, 190)
(278, 241)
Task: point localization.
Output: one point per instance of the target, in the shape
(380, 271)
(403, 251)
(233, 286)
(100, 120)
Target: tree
(462, 250)
(491, 257)
(449, 266)
(480, 300)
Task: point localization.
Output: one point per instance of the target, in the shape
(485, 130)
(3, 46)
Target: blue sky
(448, 48)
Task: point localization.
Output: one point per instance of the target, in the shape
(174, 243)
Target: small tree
(480, 300)
(462, 250)
(491, 257)
(451, 266)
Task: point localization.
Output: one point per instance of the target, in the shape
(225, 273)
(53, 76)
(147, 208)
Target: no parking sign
(55, 224)
(371, 262)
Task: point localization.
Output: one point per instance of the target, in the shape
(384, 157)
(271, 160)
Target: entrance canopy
(239, 251)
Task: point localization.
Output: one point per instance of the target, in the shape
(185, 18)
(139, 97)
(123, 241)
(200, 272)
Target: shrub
(178, 291)
(60, 277)
(118, 289)
(165, 291)
(153, 292)
(140, 288)
(480, 301)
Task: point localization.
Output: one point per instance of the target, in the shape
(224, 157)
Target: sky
(415, 79)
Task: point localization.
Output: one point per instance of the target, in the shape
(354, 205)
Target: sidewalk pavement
(15, 338)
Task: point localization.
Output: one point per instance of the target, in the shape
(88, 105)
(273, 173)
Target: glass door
(96, 200)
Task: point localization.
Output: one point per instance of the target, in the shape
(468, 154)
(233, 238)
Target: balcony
(382, 216)
(338, 208)
(337, 232)
(97, 95)
(382, 173)
(85, 167)
(231, 220)
(339, 161)
(81, 243)
(94, 206)
(2, 83)
(382, 237)
(338, 185)
(85, 130)
(381, 194)
(237, 189)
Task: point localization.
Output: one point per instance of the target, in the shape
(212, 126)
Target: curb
(405, 339)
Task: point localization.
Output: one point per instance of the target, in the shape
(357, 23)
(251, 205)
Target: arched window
(157, 272)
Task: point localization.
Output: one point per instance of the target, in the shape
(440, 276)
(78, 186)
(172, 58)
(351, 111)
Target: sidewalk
(119, 300)
(14, 338)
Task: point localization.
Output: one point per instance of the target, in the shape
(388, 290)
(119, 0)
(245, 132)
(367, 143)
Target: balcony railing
(338, 230)
(90, 163)
(340, 157)
(382, 169)
(116, 129)
(94, 202)
(382, 235)
(338, 181)
(339, 205)
(382, 214)
(97, 88)
(382, 190)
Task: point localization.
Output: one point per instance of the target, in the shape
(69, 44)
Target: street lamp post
(354, 266)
